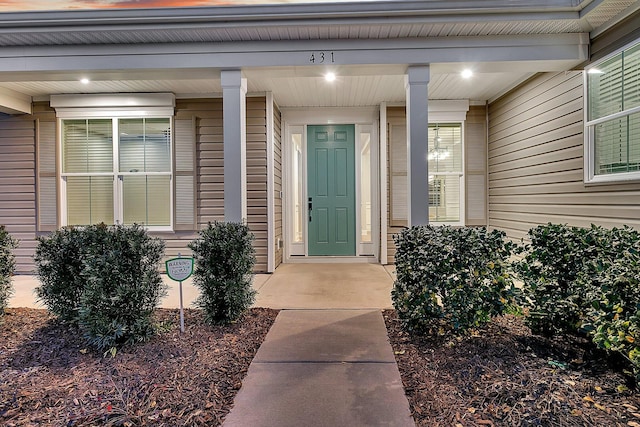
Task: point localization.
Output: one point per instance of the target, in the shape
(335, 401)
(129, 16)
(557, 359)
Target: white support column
(417, 144)
(234, 90)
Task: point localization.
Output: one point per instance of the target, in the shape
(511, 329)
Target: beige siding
(257, 177)
(207, 114)
(536, 161)
(277, 181)
(17, 185)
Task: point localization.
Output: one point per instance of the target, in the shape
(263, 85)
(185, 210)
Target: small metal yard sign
(180, 269)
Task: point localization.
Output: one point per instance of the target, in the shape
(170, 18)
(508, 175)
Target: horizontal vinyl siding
(277, 181)
(536, 162)
(209, 171)
(18, 185)
(257, 178)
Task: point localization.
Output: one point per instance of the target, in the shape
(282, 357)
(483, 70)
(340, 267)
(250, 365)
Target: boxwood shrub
(7, 266)
(103, 278)
(451, 279)
(224, 260)
(122, 285)
(584, 281)
(59, 260)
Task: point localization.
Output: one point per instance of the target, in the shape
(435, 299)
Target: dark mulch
(48, 377)
(505, 376)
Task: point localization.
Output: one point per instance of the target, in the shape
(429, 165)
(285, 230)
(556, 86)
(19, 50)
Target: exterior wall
(277, 187)
(17, 184)
(475, 142)
(257, 178)
(18, 202)
(536, 161)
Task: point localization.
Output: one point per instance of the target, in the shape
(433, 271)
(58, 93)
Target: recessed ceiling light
(330, 77)
(466, 73)
(594, 71)
(84, 81)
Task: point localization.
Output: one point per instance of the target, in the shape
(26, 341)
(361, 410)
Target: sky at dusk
(32, 5)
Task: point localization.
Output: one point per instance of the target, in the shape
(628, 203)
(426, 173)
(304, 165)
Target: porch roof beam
(12, 102)
(548, 47)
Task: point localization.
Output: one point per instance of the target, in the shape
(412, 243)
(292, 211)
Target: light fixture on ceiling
(84, 81)
(466, 74)
(438, 152)
(330, 77)
(594, 71)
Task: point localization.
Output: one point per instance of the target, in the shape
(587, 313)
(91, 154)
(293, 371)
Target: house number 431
(321, 57)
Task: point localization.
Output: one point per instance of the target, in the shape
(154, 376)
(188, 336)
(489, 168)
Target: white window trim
(590, 177)
(118, 208)
(459, 119)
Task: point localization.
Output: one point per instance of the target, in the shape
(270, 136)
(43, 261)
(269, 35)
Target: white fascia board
(12, 102)
(113, 100)
(65, 20)
(549, 47)
(120, 104)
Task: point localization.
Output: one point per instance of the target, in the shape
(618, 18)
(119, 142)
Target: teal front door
(331, 190)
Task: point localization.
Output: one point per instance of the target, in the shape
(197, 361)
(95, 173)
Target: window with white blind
(446, 173)
(612, 129)
(117, 171)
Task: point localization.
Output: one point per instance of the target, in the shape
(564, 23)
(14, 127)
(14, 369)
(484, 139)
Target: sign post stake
(180, 269)
(181, 305)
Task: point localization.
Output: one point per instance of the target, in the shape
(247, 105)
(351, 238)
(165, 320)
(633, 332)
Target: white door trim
(295, 121)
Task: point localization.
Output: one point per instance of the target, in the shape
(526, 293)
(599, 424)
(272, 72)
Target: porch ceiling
(355, 86)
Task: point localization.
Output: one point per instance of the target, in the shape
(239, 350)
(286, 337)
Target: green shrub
(613, 319)
(104, 278)
(456, 278)
(558, 255)
(59, 265)
(584, 280)
(224, 258)
(7, 266)
(123, 285)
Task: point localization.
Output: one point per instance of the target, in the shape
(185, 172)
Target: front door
(331, 190)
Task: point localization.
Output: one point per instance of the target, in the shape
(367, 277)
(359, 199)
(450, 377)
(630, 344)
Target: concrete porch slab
(24, 296)
(325, 286)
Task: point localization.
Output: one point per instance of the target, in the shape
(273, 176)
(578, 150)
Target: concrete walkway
(323, 368)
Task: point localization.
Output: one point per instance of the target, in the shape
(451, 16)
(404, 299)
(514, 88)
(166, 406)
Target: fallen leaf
(576, 412)
(399, 352)
(588, 399)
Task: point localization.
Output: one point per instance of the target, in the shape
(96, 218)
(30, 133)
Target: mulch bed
(503, 375)
(49, 377)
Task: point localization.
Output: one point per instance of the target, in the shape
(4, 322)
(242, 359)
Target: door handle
(310, 207)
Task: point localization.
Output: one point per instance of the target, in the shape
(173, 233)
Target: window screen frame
(118, 176)
(591, 176)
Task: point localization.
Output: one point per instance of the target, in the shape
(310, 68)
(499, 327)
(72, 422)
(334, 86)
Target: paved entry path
(323, 368)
